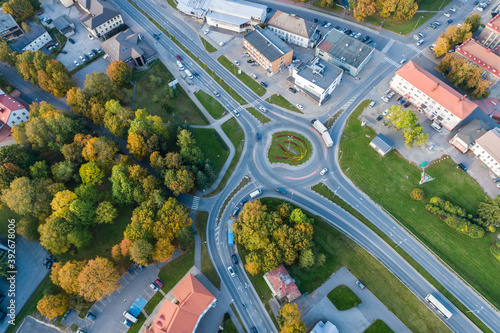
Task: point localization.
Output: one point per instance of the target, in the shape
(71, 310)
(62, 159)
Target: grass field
(403, 27)
(182, 105)
(470, 258)
(210, 103)
(259, 116)
(243, 77)
(207, 268)
(432, 4)
(212, 145)
(175, 270)
(283, 102)
(343, 298)
(378, 326)
(276, 151)
(209, 47)
(5, 215)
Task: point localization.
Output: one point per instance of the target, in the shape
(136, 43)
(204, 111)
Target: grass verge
(211, 104)
(378, 326)
(260, 117)
(243, 77)
(343, 298)
(229, 326)
(209, 47)
(175, 270)
(242, 184)
(135, 328)
(283, 102)
(214, 148)
(153, 302)
(291, 156)
(329, 123)
(334, 8)
(207, 267)
(238, 318)
(403, 27)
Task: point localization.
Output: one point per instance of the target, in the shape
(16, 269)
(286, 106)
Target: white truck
(189, 74)
(129, 317)
(255, 193)
(323, 131)
(181, 67)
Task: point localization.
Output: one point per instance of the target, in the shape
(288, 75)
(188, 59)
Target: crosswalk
(392, 62)
(415, 48)
(196, 202)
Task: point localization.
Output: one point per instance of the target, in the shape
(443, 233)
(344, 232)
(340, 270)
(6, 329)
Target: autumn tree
(118, 118)
(407, 121)
(290, 319)
(141, 251)
(405, 9)
(364, 8)
(102, 151)
(489, 211)
(98, 279)
(125, 245)
(180, 181)
(6, 54)
(417, 194)
(66, 275)
(116, 253)
(106, 212)
(53, 305)
(306, 259)
(163, 250)
(19, 9)
(63, 171)
(91, 174)
(119, 72)
(475, 22)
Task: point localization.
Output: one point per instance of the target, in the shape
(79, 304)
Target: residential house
(101, 18)
(294, 29)
(235, 15)
(467, 135)
(65, 26)
(12, 112)
(9, 29)
(482, 57)
(34, 40)
(281, 284)
(487, 149)
(382, 144)
(129, 47)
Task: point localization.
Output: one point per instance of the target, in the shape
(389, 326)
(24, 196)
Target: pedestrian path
(388, 46)
(392, 62)
(415, 48)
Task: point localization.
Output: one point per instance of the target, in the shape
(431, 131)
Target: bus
(443, 311)
(230, 239)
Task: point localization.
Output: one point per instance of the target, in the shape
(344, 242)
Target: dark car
(292, 90)
(254, 330)
(156, 36)
(337, 28)
(179, 57)
(244, 201)
(269, 9)
(49, 265)
(407, 104)
(90, 315)
(49, 21)
(130, 270)
(365, 38)
(401, 101)
(432, 25)
(324, 23)
(235, 259)
(249, 61)
(46, 261)
(369, 41)
(315, 20)
(235, 211)
(399, 98)
(263, 84)
(496, 180)
(71, 41)
(64, 52)
(462, 166)
(281, 190)
(379, 118)
(449, 21)
(40, 12)
(259, 137)
(348, 32)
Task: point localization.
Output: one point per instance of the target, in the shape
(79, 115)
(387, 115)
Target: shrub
(495, 250)
(417, 194)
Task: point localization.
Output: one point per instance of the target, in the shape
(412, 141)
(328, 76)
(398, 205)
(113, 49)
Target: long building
(482, 57)
(129, 47)
(9, 29)
(235, 15)
(12, 112)
(433, 97)
(490, 36)
(487, 149)
(294, 29)
(34, 40)
(102, 17)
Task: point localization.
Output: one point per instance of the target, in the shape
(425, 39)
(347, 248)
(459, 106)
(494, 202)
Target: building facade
(235, 15)
(438, 101)
(12, 112)
(129, 47)
(270, 52)
(467, 136)
(101, 18)
(482, 57)
(34, 40)
(9, 29)
(487, 149)
(294, 29)
(490, 36)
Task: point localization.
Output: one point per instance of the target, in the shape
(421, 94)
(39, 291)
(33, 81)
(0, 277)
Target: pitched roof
(36, 30)
(267, 43)
(494, 23)
(7, 105)
(293, 24)
(473, 130)
(100, 13)
(125, 45)
(382, 142)
(437, 90)
(480, 55)
(282, 283)
(62, 22)
(345, 48)
(491, 143)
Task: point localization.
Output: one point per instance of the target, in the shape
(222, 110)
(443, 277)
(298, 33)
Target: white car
(154, 287)
(91, 37)
(263, 109)
(328, 25)
(206, 31)
(420, 42)
(385, 112)
(76, 63)
(299, 106)
(388, 91)
(237, 62)
(325, 170)
(236, 113)
(231, 271)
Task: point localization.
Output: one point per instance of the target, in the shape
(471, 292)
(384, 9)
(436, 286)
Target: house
(322, 327)
(482, 57)
(282, 284)
(235, 15)
(65, 26)
(316, 79)
(490, 36)
(270, 52)
(467, 135)
(434, 98)
(12, 112)
(382, 144)
(294, 29)
(129, 47)
(67, 3)
(487, 149)
(344, 51)
(34, 40)
(9, 29)
(192, 301)
(101, 18)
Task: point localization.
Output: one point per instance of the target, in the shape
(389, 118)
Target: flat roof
(6, 21)
(267, 43)
(494, 23)
(325, 78)
(227, 18)
(238, 8)
(480, 55)
(345, 48)
(490, 142)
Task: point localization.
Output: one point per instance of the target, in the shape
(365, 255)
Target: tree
(475, 22)
(9, 172)
(163, 250)
(122, 187)
(405, 10)
(320, 259)
(101, 151)
(53, 305)
(125, 245)
(116, 253)
(417, 194)
(186, 237)
(180, 181)
(407, 121)
(253, 264)
(489, 211)
(61, 202)
(88, 193)
(98, 279)
(290, 319)
(306, 259)
(19, 9)
(364, 8)
(6, 53)
(39, 170)
(63, 171)
(53, 235)
(141, 251)
(28, 228)
(105, 212)
(91, 174)
(100, 87)
(66, 275)
(20, 196)
(82, 213)
(119, 72)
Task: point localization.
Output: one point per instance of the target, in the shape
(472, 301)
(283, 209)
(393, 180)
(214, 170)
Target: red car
(40, 12)
(179, 57)
(159, 283)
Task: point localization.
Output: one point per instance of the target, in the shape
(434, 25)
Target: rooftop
(36, 30)
(267, 43)
(293, 24)
(101, 13)
(494, 23)
(437, 90)
(320, 73)
(383, 143)
(473, 130)
(490, 142)
(345, 48)
(125, 45)
(282, 283)
(6, 21)
(322, 327)
(480, 55)
(62, 22)
(7, 105)
(238, 8)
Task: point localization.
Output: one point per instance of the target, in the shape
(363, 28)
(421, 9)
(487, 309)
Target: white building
(235, 15)
(294, 29)
(438, 101)
(317, 80)
(11, 111)
(327, 327)
(34, 40)
(101, 18)
(487, 149)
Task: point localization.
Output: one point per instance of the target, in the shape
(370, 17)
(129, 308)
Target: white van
(129, 317)
(437, 127)
(447, 14)
(372, 104)
(255, 193)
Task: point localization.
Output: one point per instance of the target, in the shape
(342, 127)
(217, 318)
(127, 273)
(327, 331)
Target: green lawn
(432, 4)
(283, 102)
(343, 298)
(207, 268)
(182, 105)
(210, 103)
(379, 326)
(175, 270)
(209, 47)
(260, 117)
(135, 328)
(400, 27)
(243, 77)
(5, 215)
(229, 327)
(212, 145)
(153, 302)
(276, 151)
(469, 257)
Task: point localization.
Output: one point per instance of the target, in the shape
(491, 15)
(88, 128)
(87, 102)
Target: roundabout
(290, 148)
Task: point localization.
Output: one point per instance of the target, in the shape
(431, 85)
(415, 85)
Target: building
(467, 135)
(129, 47)
(317, 80)
(65, 26)
(192, 301)
(101, 18)
(294, 29)
(487, 149)
(490, 36)
(344, 51)
(282, 284)
(483, 57)
(235, 15)
(67, 3)
(433, 97)
(195, 8)
(382, 144)
(34, 40)
(9, 29)
(268, 50)
(327, 327)
(12, 112)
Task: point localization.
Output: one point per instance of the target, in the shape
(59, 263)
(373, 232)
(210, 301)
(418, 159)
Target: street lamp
(341, 152)
(290, 139)
(417, 22)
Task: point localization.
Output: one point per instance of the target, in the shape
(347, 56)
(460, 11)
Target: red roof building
(490, 36)
(481, 56)
(12, 112)
(433, 97)
(281, 284)
(192, 301)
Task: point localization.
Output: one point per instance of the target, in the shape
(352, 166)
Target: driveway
(31, 325)
(98, 66)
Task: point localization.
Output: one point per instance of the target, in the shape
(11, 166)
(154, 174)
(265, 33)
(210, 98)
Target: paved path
(31, 325)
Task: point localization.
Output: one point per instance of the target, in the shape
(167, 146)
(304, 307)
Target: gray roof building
(468, 134)
(34, 40)
(102, 17)
(65, 26)
(129, 47)
(267, 43)
(9, 29)
(293, 24)
(382, 144)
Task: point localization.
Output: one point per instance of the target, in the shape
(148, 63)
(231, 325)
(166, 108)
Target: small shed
(382, 144)
(65, 26)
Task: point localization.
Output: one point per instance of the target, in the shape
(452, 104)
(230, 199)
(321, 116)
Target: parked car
(249, 61)
(365, 38)
(449, 21)
(402, 61)
(91, 316)
(315, 20)
(83, 59)
(299, 106)
(384, 98)
(235, 211)
(337, 28)
(263, 84)
(421, 34)
(179, 57)
(496, 180)
(359, 284)
(369, 41)
(385, 112)
(40, 12)
(269, 9)
(244, 201)
(327, 25)
(237, 62)
(99, 50)
(91, 37)
(206, 31)
(432, 25)
(292, 90)
(252, 74)
(159, 283)
(357, 35)
(437, 23)
(324, 171)
(462, 166)
(235, 259)
(379, 118)
(259, 137)
(323, 23)
(71, 40)
(230, 269)
(407, 104)
(76, 63)
(126, 322)
(281, 190)
(64, 52)
(420, 42)
(48, 21)
(154, 287)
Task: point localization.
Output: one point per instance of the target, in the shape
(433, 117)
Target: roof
(100, 13)
(62, 22)
(230, 19)
(7, 105)
(322, 327)
(383, 143)
(490, 142)
(182, 317)
(6, 21)
(293, 24)
(193, 7)
(125, 45)
(437, 90)
(36, 30)
(267, 43)
(345, 48)
(472, 131)
(494, 23)
(480, 55)
(282, 283)
(237, 8)
(322, 74)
